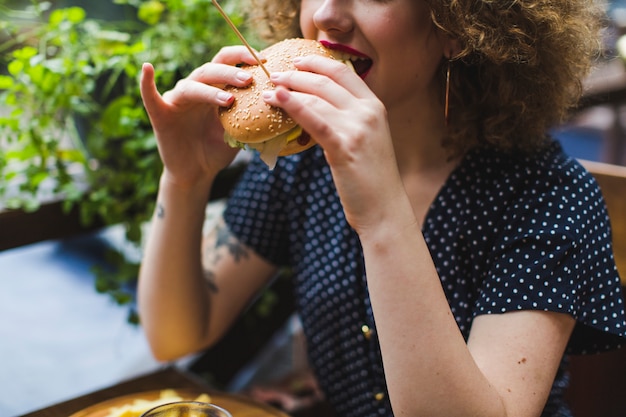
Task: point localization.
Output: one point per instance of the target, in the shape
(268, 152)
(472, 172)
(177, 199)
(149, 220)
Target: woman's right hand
(189, 134)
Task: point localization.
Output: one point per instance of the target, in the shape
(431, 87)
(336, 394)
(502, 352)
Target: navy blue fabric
(506, 233)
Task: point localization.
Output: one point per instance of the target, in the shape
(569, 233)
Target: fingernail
(275, 76)
(268, 94)
(243, 75)
(224, 97)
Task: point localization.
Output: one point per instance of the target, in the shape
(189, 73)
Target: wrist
(391, 218)
(194, 185)
(197, 190)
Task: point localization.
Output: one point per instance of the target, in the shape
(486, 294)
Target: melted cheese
(270, 149)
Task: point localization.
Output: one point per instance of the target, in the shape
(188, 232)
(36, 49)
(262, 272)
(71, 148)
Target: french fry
(140, 406)
(203, 398)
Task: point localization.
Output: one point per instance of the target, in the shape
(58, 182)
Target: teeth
(349, 64)
(349, 57)
(358, 64)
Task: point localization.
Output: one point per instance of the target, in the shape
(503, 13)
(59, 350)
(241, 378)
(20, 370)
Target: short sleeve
(555, 254)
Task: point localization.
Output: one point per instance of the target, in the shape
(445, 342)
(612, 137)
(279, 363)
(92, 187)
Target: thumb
(149, 93)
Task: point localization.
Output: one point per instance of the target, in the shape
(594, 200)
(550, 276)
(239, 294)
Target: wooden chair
(598, 382)
(612, 181)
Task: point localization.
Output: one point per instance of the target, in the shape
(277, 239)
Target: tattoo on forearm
(160, 211)
(216, 243)
(226, 239)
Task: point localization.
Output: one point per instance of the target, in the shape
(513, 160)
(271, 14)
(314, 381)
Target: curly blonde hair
(519, 71)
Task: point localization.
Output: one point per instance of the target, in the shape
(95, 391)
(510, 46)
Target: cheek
(307, 9)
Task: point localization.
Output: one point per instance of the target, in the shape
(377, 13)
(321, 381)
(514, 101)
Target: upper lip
(343, 48)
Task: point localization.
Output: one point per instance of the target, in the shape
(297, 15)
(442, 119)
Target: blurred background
(78, 176)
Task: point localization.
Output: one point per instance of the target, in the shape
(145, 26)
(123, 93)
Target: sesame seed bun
(250, 121)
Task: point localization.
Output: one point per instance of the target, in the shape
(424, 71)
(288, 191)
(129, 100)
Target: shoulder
(546, 178)
(549, 164)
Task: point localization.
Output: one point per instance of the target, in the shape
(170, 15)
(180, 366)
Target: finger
(204, 85)
(233, 55)
(315, 84)
(149, 93)
(220, 75)
(186, 92)
(311, 113)
(337, 71)
(189, 91)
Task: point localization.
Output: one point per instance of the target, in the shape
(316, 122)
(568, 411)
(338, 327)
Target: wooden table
(169, 377)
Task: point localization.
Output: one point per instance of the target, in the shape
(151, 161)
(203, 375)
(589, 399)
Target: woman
(446, 253)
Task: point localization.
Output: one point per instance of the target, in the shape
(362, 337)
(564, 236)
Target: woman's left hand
(350, 123)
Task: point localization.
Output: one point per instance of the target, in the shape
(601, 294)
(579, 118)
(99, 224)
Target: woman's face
(402, 46)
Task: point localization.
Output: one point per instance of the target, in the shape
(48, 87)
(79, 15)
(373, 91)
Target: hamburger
(253, 124)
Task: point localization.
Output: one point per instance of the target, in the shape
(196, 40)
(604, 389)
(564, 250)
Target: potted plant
(71, 119)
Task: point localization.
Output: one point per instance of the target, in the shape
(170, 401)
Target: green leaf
(36, 179)
(56, 17)
(76, 14)
(49, 82)
(15, 67)
(25, 53)
(6, 82)
(151, 11)
(71, 155)
(112, 117)
(70, 14)
(36, 74)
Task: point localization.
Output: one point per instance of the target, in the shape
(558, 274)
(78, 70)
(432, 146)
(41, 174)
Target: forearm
(428, 367)
(173, 295)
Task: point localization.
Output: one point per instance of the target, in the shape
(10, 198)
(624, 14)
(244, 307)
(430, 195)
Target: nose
(334, 16)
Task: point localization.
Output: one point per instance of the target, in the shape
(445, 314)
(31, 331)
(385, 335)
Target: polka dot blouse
(506, 233)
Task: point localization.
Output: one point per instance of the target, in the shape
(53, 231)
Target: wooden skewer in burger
(252, 123)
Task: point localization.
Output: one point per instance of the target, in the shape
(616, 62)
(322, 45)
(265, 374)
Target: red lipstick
(343, 48)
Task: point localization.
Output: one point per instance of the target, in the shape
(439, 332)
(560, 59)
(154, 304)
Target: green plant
(72, 124)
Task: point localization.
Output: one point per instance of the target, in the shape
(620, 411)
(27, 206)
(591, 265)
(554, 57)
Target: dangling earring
(447, 103)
